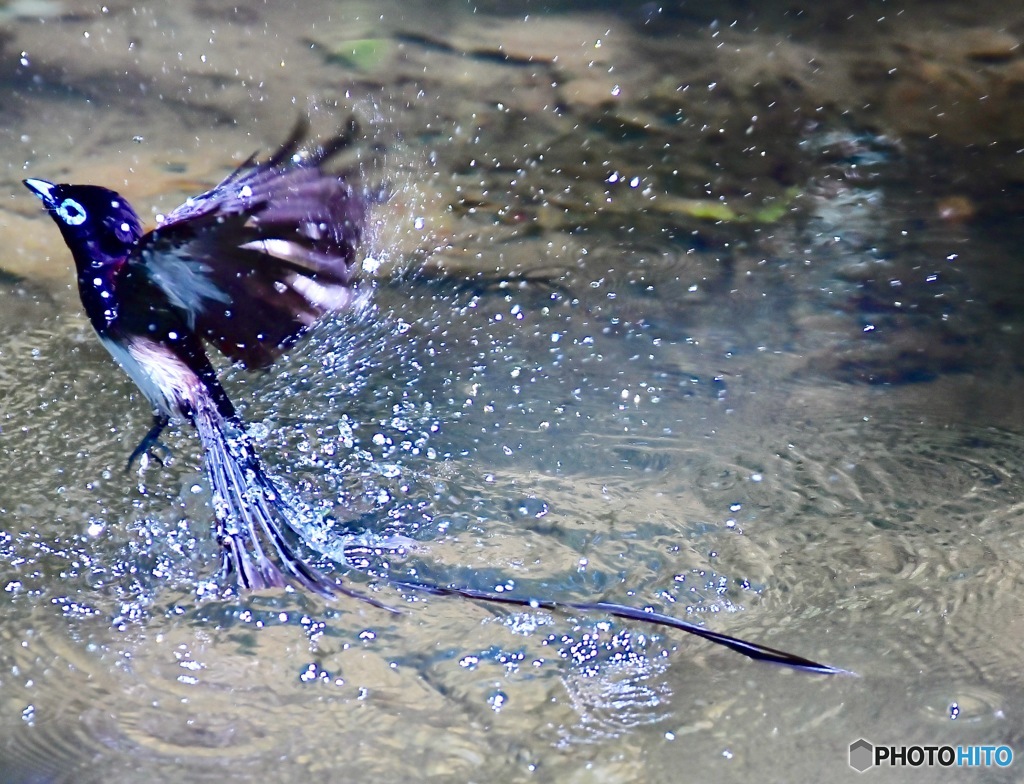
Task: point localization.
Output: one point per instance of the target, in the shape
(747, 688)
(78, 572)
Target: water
(655, 321)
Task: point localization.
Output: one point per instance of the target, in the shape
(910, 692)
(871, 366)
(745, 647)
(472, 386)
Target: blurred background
(709, 307)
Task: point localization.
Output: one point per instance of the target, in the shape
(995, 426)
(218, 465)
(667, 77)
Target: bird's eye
(71, 212)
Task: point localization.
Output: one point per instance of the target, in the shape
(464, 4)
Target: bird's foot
(151, 444)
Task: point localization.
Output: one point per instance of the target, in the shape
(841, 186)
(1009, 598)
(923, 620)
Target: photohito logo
(865, 755)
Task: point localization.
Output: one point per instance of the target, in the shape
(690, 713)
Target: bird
(248, 267)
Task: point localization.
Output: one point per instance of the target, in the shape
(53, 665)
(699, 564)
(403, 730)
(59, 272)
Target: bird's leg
(151, 442)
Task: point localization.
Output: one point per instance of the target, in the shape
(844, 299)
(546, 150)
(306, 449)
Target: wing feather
(253, 262)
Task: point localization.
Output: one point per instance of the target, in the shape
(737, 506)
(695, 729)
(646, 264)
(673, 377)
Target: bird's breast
(99, 298)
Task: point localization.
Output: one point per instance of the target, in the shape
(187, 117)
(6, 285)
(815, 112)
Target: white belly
(164, 378)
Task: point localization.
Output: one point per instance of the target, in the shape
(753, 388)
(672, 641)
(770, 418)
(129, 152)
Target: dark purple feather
(258, 259)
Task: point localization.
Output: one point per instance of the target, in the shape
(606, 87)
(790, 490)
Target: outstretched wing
(255, 261)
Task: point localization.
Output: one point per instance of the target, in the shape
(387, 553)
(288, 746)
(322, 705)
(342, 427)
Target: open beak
(44, 190)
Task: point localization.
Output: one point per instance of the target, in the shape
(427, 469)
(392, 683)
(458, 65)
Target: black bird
(247, 267)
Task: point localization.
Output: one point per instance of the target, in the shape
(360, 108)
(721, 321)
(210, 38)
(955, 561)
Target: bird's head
(99, 225)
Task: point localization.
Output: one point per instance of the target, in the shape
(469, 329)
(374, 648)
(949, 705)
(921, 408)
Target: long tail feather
(250, 511)
(752, 650)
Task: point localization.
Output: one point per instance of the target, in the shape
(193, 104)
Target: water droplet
(497, 701)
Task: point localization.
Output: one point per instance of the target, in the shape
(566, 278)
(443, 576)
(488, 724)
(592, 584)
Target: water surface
(661, 316)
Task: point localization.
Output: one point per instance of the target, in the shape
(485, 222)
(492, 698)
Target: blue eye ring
(71, 212)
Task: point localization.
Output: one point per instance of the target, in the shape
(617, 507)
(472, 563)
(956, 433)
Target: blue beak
(44, 190)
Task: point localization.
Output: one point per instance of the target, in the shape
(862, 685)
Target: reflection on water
(656, 320)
